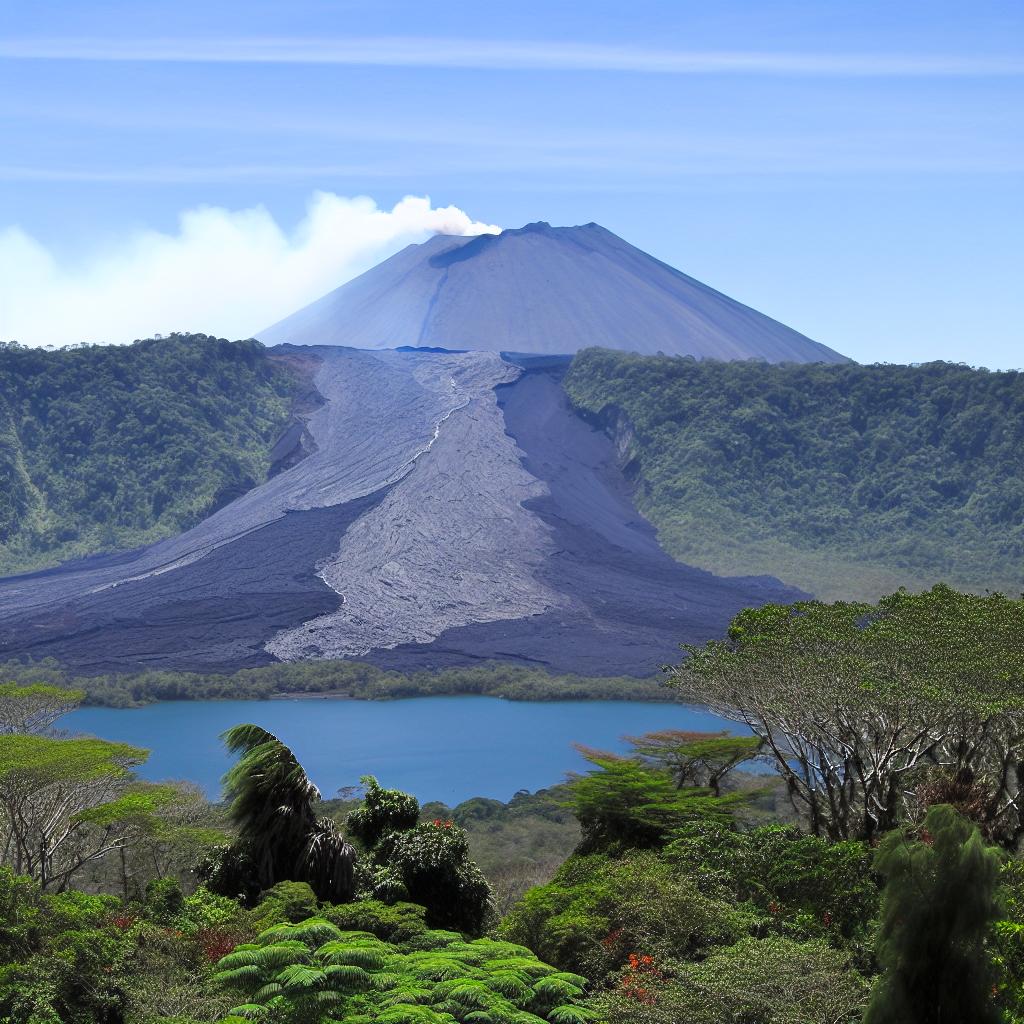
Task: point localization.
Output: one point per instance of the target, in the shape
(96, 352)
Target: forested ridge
(109, 447)
(844, 480)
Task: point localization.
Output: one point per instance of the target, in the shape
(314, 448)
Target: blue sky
(853, 169)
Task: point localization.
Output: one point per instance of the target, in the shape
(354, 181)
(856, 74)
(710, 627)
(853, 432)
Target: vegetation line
(335, 679)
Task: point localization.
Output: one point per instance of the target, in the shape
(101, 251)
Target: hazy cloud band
(481, 54)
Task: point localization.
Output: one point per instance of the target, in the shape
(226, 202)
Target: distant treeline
(848, 480)
(110, 447)
(336, 678)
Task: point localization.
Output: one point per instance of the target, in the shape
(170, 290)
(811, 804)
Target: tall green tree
(938, 908)
(623, 803)
(272, 804)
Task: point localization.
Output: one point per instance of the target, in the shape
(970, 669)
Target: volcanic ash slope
(453, 509)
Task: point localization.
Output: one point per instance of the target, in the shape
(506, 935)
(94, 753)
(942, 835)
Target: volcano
(542, 290)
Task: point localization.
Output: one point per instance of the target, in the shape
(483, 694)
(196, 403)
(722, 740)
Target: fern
(356, 978)
(245, 1012)
(312, 932)
(301, 977)
(407, 994)
(348, 976)
(554, 987)
(512, 984)
(407, 1014)
(238, 977)
(571, 1015)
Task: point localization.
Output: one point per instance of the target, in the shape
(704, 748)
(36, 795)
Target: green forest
(110, 447)
(846, 481)
(854, 859)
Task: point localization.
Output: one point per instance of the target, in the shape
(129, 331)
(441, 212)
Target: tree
(427, 863)
(280, 837)
(701, 759)
(860, 704)
(67, 803)
(34, 708)
(624, 803)
(939, 904)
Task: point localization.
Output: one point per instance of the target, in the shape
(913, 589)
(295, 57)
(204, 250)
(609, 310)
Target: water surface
(438, 748)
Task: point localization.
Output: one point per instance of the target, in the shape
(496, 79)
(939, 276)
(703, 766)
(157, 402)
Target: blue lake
(438, 748)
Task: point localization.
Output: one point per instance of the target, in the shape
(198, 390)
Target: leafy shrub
(205, 909)
(596, 911)
(68, 955)
(798, 885)
(164, 900)
(430, 864)
(285, 902)
(755, 981)
(382, 811)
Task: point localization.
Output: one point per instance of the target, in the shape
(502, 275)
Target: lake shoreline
(337, 680)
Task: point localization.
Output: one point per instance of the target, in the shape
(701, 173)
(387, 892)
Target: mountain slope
(109, 447)
(540, 289)
(848, 481)
(453, 509)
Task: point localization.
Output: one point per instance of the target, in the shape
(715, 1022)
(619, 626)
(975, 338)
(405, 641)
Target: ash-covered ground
(453, 508)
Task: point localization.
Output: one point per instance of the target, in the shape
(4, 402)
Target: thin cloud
(482, 54)
(224, 272)
(184, 175)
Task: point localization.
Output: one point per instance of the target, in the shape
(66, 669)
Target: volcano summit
(440, 502)
(541, 289)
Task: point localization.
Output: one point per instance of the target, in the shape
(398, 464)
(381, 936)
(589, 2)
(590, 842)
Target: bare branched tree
(35, 708)
(860, 704)
(65, 803)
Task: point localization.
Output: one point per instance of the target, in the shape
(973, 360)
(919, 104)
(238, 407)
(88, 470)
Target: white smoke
(228, 273)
